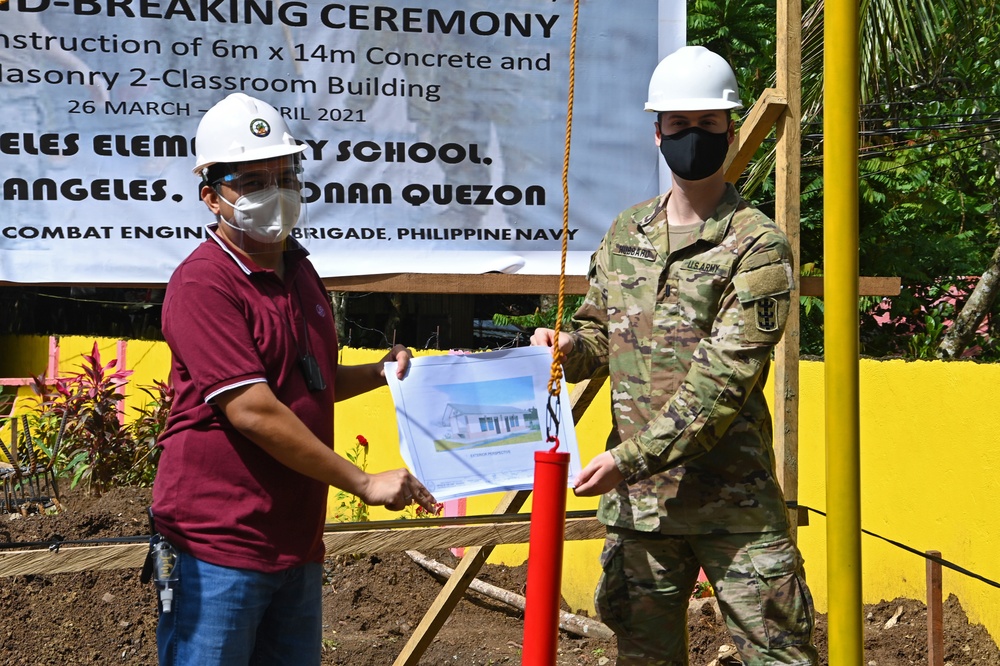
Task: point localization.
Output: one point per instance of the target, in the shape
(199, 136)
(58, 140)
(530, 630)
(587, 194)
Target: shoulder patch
(765, 297)
(766, 314)
(764, 319)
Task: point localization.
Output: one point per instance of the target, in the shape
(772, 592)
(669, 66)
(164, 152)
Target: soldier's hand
(601, 475)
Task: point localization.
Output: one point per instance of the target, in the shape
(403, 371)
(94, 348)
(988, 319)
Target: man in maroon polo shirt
(248, 451)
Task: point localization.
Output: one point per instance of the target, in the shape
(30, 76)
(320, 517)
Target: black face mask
(694, 153)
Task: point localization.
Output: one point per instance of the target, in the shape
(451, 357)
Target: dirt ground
(371, 606)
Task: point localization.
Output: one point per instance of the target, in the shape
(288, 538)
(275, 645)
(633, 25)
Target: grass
(529, 437)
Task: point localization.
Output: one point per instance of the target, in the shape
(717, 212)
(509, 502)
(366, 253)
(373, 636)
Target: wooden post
(787, 193)
(935, 611)
(454, 589)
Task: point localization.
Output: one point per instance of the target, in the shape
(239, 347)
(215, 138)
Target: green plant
(78, 427)
(43, 430)
(351, 508)
(702, 589)
(541, 318)
(923, 346)
(811, 317)
(93, 436)
(145, 430)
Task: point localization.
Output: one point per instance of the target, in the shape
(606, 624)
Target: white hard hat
(692, 78)
(241, 128)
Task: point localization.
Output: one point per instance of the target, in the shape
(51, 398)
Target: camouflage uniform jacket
(687, 338)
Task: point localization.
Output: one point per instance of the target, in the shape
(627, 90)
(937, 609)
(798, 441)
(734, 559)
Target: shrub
(78, 426)
(145, 430)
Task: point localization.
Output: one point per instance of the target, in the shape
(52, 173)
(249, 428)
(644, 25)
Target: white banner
(435, 129)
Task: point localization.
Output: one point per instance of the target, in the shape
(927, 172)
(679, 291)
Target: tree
(963, 331)
(928, 166)
(741, 31)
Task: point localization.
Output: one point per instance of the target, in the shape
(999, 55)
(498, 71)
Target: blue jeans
(228, 617)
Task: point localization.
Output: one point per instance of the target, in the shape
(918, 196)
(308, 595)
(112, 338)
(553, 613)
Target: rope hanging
(554, 413)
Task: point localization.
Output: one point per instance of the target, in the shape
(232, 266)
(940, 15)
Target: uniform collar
(714, 229)
(294, 253)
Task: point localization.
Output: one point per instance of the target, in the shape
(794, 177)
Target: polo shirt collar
(294, 252)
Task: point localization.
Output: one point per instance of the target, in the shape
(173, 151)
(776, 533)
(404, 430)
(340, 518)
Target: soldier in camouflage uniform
(689, 293)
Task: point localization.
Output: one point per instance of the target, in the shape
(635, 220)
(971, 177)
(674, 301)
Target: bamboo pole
(409, 536)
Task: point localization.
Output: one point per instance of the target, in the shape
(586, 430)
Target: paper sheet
(470, 423)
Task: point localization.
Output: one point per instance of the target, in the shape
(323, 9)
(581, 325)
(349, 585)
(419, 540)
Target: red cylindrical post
(545, 550)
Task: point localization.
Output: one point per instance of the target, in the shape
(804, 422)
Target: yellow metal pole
(840, 240)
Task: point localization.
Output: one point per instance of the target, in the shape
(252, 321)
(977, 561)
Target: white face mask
(268, 215)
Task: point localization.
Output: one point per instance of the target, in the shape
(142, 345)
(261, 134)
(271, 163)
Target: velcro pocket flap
(770, 280)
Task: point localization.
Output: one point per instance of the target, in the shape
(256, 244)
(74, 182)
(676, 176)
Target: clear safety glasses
(255, 180)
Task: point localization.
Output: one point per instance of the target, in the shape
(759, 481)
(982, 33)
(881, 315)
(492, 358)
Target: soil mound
(371, 604)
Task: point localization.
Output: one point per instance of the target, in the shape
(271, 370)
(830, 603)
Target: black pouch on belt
(147, 566)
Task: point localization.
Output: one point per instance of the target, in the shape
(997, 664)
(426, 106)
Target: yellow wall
(23, 356)
(28, 356)
(930, 479)
(930, 468)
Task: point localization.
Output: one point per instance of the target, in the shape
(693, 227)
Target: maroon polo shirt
(230, 323)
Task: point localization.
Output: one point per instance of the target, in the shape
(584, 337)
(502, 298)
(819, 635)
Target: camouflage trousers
(648, 579)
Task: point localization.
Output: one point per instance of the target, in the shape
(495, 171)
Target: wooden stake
(574, 624)
(935, 612)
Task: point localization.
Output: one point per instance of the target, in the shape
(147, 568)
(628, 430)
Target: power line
(868, 174)
(970, 116)
(94, 301)
(940, 560)
(891, 131)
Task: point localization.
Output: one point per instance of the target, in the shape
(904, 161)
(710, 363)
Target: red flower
(438, 508)
(362, 441)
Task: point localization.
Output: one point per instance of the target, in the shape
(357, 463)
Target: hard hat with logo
(241, 128)
(692, 78)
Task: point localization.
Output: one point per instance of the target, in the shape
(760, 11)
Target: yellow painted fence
(930, 474)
